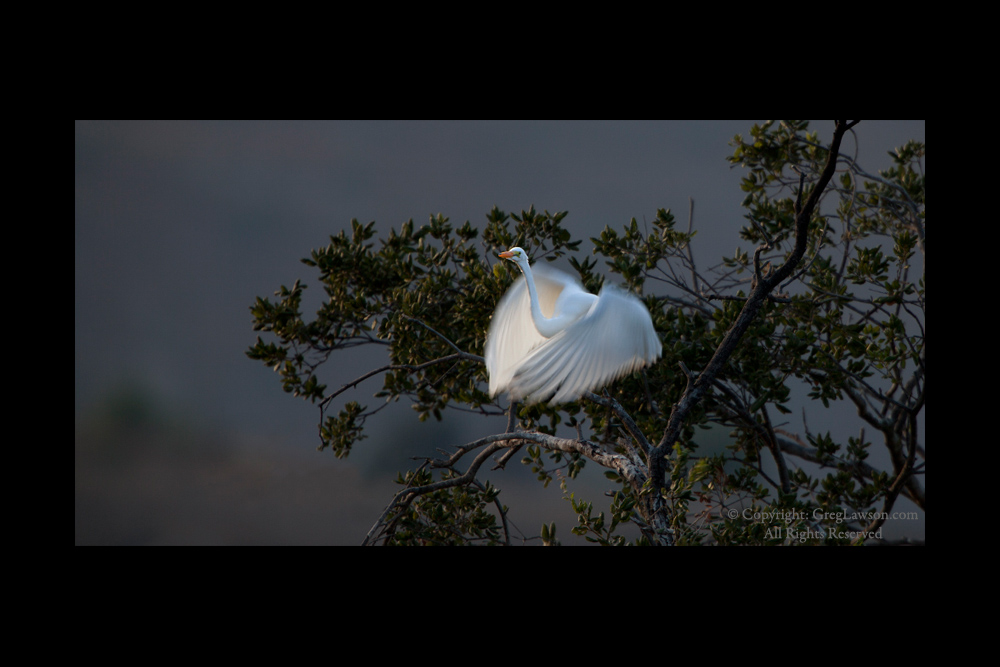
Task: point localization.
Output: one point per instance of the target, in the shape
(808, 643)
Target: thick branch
(765, 285)
(630, 472)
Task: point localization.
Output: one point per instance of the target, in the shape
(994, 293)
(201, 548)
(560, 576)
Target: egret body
(550, 339)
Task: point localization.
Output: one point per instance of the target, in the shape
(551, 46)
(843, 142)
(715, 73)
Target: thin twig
(433, 331)
(400, 367)
(626, 419)
(690, 253)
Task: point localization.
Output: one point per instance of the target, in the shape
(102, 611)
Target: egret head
(515, 254)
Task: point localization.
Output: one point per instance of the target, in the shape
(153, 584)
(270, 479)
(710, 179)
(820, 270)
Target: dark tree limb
(384, 527)
(697, 389)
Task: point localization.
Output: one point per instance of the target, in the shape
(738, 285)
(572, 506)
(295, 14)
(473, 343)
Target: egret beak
(506, 254)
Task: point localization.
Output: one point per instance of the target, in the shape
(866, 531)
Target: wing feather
(614, 339)
(512, 334)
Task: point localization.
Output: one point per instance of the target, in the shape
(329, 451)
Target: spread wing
(512, 335)
(615, 338)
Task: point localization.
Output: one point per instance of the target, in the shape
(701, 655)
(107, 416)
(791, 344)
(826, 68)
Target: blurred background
(181, 439)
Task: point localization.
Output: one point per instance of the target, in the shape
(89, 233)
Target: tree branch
(629, 471)
(433, 331)
(626, 418)
(400, 367)
(765, 285)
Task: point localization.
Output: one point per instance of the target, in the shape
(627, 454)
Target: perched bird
(551, 339)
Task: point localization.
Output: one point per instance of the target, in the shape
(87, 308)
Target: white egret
(552, 339)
